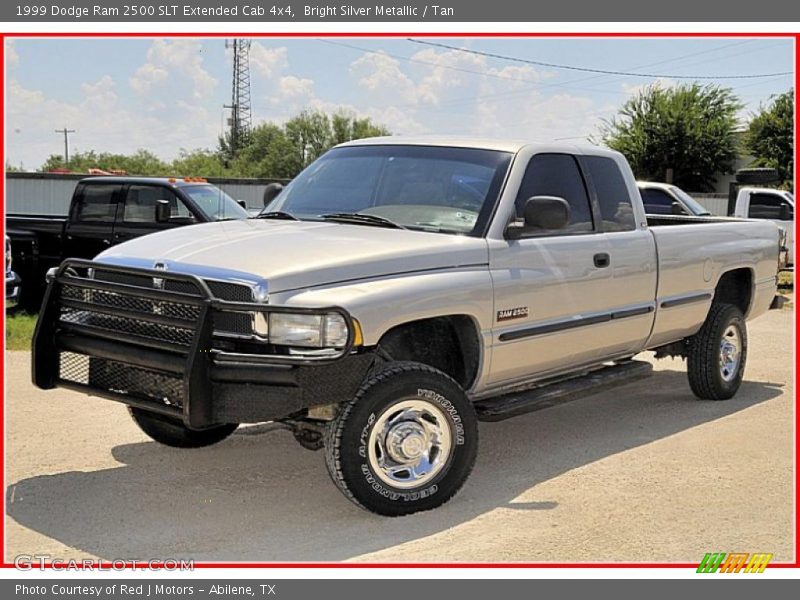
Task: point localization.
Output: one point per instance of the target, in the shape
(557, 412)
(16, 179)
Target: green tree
(770, 137)
(685, 134)
(269, 154)
(199, 163)
(310, 133)
(271, 150)
(346, 127)
(141, 162)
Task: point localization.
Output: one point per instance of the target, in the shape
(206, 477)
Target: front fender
(383, 303)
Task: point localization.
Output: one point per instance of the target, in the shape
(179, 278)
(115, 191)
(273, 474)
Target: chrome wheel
(410, 443)
(730, 352)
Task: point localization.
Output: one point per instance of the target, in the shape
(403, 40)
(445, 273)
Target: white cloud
(295, 87)
(179, 58)
(460, 93)
(267, 62)
(100, 95)
(146, 77)
(381, 75)
(164, 104)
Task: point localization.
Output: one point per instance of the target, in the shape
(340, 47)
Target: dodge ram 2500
(397, 291)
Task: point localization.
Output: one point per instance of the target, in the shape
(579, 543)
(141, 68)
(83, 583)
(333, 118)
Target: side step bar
(562, 391)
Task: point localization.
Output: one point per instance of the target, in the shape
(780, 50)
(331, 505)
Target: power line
(569, 85)
(589, 69)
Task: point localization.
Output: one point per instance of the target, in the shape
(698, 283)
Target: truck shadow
(260, 497)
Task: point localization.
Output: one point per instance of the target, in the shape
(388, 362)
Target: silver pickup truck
(396, 292)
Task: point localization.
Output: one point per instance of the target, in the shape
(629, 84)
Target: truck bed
(693, 252)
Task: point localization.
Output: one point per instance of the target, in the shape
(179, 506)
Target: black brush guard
(153, 348)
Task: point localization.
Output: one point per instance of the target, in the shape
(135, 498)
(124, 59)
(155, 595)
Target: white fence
(717, 204)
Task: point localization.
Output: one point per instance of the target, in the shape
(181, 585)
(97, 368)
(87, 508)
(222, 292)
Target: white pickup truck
(397, 291)
(767, 203)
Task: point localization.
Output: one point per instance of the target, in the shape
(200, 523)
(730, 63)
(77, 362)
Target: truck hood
(287, 255)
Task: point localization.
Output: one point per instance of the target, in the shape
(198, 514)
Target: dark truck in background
(106, 211)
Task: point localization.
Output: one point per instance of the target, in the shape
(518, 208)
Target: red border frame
(454, 34)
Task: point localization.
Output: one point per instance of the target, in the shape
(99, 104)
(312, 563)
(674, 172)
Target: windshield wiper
(277, 214)
(362, 219)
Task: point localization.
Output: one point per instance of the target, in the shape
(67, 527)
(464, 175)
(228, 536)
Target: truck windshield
(693, 205)
(215, 204)
(427, 188)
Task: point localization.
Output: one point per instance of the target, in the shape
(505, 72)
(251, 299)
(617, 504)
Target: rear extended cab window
(97, 203)
(616, 209)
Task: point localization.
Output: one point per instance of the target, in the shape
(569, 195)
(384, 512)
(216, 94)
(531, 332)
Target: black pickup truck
(106, 211)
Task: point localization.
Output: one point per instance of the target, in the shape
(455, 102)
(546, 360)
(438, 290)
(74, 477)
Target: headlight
(308, 331)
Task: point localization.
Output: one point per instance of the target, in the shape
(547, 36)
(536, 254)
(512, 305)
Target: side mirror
(677, 209)
(786, 212)
(272, 190)
(163, 211)
(242, 203)
(540, 212)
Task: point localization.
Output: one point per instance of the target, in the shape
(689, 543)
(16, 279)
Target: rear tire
(717, 354)
(175, 434)
(406, 443)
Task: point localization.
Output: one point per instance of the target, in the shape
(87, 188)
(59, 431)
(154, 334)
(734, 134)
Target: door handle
(602, 260)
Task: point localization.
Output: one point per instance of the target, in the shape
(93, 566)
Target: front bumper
(13, 288)
(155, 349)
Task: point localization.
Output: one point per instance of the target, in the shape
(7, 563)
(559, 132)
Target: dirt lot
(641, 473)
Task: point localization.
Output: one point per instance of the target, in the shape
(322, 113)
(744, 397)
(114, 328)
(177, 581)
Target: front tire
(717, 354)
(406, 443)
(172, 432)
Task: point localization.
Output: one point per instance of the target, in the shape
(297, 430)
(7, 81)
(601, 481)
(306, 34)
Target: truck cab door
(775, 207)
(570, 297)
(90, 226)
(137, 214)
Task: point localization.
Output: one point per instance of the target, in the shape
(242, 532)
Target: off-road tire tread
(333, 433)
(703, 354)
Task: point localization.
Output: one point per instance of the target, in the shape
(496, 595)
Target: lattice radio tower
(241, 117)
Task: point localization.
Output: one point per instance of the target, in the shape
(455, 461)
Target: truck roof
(171, 181)
(483, 143)
(655, 185)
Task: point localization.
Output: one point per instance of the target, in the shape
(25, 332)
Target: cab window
(768, 206)
(658, 202)
(616, 208)
(141, 200)
(98, 203)
(557, 175)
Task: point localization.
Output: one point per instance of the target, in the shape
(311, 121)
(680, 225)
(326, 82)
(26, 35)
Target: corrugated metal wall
(50, 194)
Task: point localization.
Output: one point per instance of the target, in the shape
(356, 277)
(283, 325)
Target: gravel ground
(640, 473)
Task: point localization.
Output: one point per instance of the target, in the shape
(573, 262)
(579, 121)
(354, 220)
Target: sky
(164, 94)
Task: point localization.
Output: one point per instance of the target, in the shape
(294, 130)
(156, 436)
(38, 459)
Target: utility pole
(66, 133)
